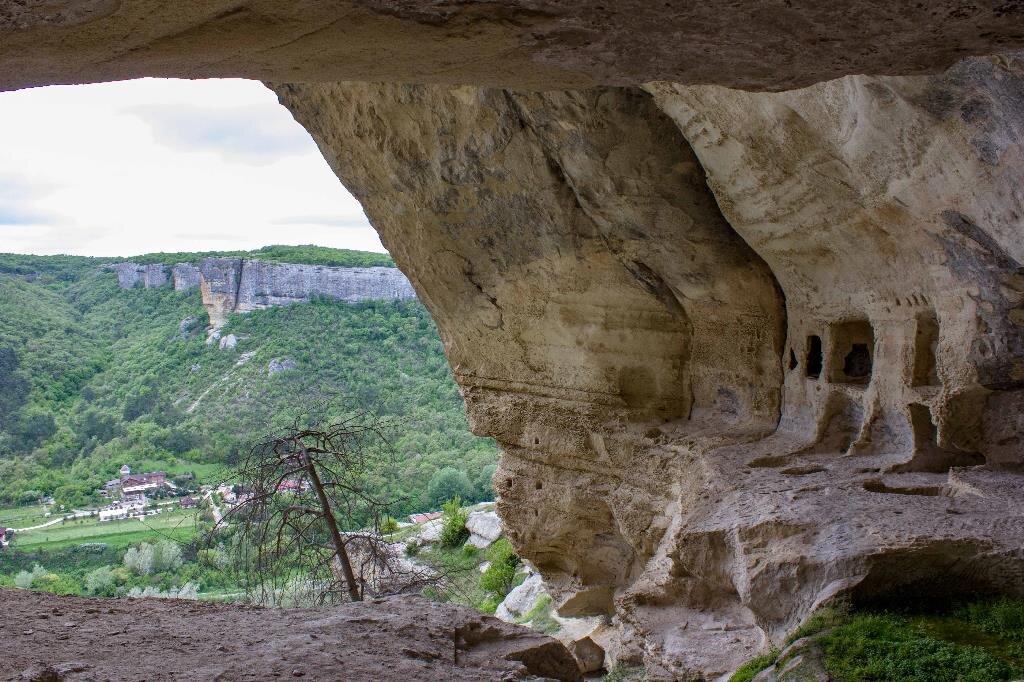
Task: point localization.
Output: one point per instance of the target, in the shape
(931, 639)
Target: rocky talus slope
(746, 352)
(233, 285)
(411, 639)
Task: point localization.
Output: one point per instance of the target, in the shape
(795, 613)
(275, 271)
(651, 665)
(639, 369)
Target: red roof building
(422, 518)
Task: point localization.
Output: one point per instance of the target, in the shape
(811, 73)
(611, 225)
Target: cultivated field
(175, 525)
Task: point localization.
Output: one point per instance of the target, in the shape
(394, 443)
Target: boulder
(278, 365)
(228, 342)
(431, 531)
(521, 599)
(484, 528)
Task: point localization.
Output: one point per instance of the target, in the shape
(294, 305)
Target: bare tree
(306, 526)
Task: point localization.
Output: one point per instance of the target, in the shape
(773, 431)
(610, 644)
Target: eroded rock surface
(774, 44)
(397, 638)
(745, 353)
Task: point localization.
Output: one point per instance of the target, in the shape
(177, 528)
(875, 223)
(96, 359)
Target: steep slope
(103, 375)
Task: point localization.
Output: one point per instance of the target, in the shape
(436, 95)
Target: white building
(122, 510)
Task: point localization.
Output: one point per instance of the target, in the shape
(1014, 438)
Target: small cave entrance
(815, 358)
(853, 348)
(926, 339)
(793, 364)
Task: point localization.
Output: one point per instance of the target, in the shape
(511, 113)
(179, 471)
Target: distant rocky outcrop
(131, 275)
(240, 285)
(186, 276)
(230, 285)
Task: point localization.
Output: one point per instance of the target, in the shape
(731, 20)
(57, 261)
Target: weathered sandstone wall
(745, 353)
(773, 44)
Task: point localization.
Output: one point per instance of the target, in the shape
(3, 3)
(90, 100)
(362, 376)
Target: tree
(447, 484)
(483, 484)
(308, 530)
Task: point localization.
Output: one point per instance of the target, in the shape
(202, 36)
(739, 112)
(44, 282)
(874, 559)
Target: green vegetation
(93, 377)
(979, 642)
(540, 617)
(622, 673)
(746, 672)
(178, 525)
(308, 254)
(453, 523)
(502, 575)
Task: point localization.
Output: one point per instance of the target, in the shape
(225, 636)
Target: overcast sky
(119, 169)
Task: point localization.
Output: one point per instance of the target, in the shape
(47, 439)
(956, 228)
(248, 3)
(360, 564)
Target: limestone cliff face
(186, 277)
(241, 285)
(131, 275)
(745, 353)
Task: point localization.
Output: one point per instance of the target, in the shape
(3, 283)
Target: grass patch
(891, 647)
(979, 642)
(23, 517)
(175, 525)
(624, 673)
(460, 565)
(746, 672)
(540, 617)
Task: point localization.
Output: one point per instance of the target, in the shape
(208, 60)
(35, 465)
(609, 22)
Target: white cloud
(117, 169)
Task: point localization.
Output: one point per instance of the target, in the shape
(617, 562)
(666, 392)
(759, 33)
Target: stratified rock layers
(240, 285)
(230, 285)
(745, 353)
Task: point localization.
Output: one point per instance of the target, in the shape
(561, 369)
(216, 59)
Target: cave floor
(46, 637)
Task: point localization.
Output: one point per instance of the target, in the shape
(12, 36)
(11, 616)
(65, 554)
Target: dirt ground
(44, 638)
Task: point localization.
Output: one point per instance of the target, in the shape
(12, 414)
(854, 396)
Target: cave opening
(926, 339)
(815, 357)
(793, 364)
(852, 355)
(857, 363)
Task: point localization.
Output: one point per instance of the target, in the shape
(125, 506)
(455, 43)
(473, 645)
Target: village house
(423, 518)
(136, 486)
(5, 536)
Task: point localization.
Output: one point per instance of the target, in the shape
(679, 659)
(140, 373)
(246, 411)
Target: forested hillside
(92, 377)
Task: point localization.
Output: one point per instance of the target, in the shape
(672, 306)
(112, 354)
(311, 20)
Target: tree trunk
(332, 525)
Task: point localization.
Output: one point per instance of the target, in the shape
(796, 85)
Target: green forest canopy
(93, 377)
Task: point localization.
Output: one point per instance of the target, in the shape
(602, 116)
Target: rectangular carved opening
(853, 351)
(815, 358)
(926, 338)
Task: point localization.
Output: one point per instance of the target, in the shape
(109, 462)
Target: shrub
(101, 582)
(23, 580)
(500, 576)
(412, 547)
(453, 523)
(388, 525)
(149, 559)
(186, 591)
(139, 560)
(166, 556)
